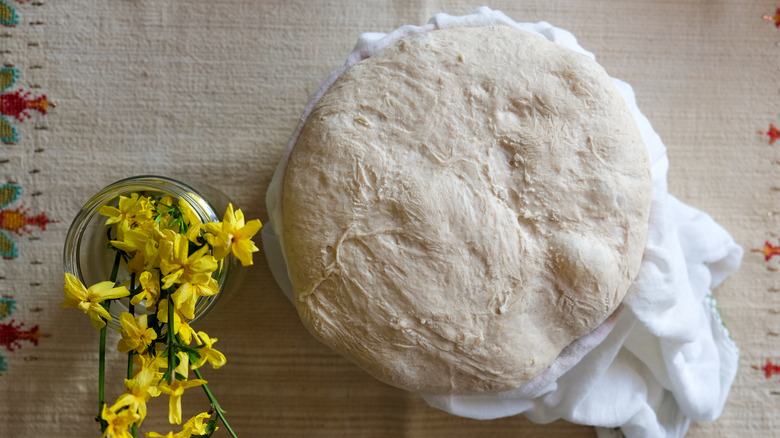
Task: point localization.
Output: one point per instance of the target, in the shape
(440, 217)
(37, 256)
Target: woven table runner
(92, 92)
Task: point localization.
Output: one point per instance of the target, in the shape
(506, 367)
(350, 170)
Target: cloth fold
(662, 360)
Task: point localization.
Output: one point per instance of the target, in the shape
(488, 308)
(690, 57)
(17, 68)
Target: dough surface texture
(463, 205)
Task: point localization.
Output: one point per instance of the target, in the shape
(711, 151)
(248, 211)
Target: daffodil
(118, 424)
(195, 425)
(142, 245)
(88, 300)
(179, 266)
(186, 296)
(162, 315)
(136, 334)
(192, 220)
(233, 235)
(180, 326)
(126, 210)
(186, 333)
(146, 360)
(145, 217)
(183, 367)
(131, 211)
(185, 433)
(138, 391)
(188, 213)
(153, 364)
(176, 390)
(133, 240)
(207, 352)
(150, 289)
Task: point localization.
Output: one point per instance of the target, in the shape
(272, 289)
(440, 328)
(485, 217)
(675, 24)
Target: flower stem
(102, 354)
(102, 379)
(215, 404)
(115, 269)
(131, 309)
(171, 352)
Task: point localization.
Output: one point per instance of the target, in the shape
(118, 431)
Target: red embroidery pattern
(773, 133)
(775, 18)
(12, 334)
(768, 251)
(16, 104)
(770, 369)
(17, 221)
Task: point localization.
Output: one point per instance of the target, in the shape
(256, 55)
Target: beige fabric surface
(211, 91)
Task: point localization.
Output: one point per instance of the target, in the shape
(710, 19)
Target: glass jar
(89, 257)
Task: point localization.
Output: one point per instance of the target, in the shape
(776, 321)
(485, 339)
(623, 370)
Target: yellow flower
(182, 434)
(130, 211)
(183, 367)
(185, 332)
(127, 209)
(192, 220)
(143, 362)
(188, 214)
(176, 390)
(180, 327)
(88, 300)
(139, 389)
(179, 266)
(150, 289)
(162, 315)
(193, 233)
(142, 245)
(195, 424)
(118, 423)
(133, 240)
(207, 353)
(137, 264)
(232, 235)
(136, 334)
(186, 296)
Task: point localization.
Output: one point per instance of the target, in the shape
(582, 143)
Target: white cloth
(664, 359)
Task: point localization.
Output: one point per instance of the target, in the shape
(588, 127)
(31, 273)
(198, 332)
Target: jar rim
(151, 183)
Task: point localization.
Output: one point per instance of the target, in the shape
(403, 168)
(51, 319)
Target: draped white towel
(663, 360)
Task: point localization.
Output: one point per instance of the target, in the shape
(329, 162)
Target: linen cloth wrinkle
(663, 359)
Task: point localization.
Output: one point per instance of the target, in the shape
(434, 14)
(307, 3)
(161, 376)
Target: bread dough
(463, 205)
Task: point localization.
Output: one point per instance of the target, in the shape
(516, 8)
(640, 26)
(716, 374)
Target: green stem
(131, 309)
(130, 364)
(102, 355)
(171, 352)
(102, 379)
(115, 269)
(215, 403)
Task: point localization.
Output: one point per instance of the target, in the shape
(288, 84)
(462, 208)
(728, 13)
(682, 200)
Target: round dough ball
(463, 205)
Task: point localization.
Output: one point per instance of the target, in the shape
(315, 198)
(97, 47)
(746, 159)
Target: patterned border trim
(17, 221)
(17, 104)
(13, 333)
(8, 15)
